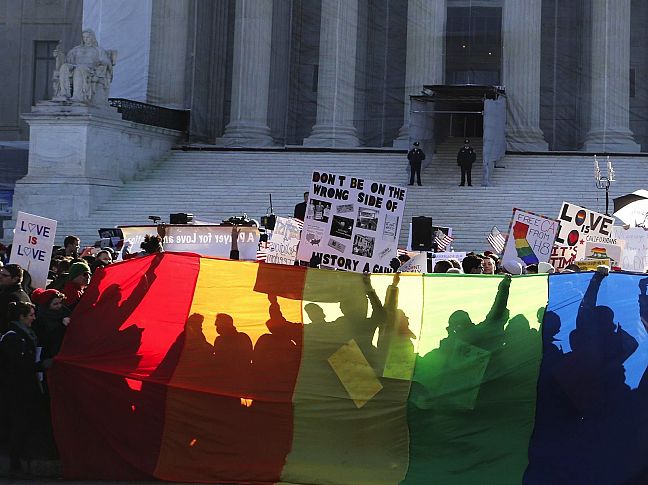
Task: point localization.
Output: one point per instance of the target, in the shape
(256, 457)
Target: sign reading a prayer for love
(531, 238)
(32, 246)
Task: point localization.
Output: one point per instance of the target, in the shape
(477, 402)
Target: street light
(603, 182)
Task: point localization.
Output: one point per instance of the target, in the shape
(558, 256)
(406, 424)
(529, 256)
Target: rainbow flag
(194, 369)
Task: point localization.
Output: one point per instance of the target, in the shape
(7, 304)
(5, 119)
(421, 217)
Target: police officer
(465, 159)
(415, 157)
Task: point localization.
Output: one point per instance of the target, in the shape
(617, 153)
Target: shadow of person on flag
(473, 395)
(451, 376)
(587, 419)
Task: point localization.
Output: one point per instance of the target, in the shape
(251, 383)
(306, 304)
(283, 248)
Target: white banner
(205, 240)
(444, 256)
(352, 224)
(282, 246)
(531, 238)
(579, 226)
(635, 248)
(32, 246)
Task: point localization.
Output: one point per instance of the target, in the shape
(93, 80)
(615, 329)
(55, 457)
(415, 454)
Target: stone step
(215, 185)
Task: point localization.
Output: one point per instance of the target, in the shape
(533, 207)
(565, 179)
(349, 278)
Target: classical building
(339, 73)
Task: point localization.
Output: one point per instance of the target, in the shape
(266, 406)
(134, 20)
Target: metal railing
(149, 114)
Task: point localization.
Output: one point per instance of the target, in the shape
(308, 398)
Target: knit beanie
(44, 297)
(78, 268)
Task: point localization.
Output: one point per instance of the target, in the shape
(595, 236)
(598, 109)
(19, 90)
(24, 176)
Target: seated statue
(85, 74)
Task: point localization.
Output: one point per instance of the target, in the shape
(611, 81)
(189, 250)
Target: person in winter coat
(52, 319)
(465, 159)
(18, 352)
(11, 289)
(415, 157)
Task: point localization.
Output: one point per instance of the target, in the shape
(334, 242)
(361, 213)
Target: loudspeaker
(421, 233)
(180, 218)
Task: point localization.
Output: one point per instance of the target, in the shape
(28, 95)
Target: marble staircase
(214, 185)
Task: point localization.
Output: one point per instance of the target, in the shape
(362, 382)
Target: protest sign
(444, 256)
(635, 248)
(352, 224)
(613, 252)
(579, 225)
(205, 240)
(562, 256)
(283, 243)
(530, 238)
(32, 246)
(592, 264)
(417, 264)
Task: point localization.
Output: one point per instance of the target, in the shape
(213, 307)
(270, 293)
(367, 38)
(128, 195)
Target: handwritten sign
(32, 246)
(282, 247)
(579, 225)
(562, 256)
(635, 248)
(531, 238)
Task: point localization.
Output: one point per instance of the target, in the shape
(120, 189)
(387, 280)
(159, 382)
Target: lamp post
(603, 182)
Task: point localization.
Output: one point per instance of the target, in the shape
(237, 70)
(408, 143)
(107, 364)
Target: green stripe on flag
(471, 409)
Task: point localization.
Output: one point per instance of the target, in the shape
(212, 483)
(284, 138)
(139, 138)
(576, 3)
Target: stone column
(167, 68)
(336, 82)
(521, 24)
(609, 129)
(426, 21)
(248, 124)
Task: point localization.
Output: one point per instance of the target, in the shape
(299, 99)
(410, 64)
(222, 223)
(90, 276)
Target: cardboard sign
(530, 239)
(417, 264)
(562, 256)
(206, 240)
(579, 225)
(352, 224)
(602, 251)
(635, 248)
(283, 243)
(32, 246)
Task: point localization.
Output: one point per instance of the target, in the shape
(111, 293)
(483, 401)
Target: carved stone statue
(86, 73)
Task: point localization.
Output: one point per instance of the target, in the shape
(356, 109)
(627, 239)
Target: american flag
(496, 240)
(262, 252)
(442, 241)
(299, 222)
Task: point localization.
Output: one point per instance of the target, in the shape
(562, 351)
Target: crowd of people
(33, 322)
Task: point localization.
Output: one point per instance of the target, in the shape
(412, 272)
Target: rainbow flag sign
(193, 369)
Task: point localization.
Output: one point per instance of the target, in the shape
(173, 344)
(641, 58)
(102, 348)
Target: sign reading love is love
(32, 246)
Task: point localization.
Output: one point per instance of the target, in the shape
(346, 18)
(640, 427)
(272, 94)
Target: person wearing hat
(415, 157)
(52, 318)
(78, 280)
(465, 159)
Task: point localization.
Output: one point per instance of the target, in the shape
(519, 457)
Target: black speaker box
(180, 218)
(421, 233)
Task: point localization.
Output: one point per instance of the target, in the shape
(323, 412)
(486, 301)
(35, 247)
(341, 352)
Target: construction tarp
(193, 369)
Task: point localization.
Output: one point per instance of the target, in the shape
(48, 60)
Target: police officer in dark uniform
(465, 159)
(415, 157)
